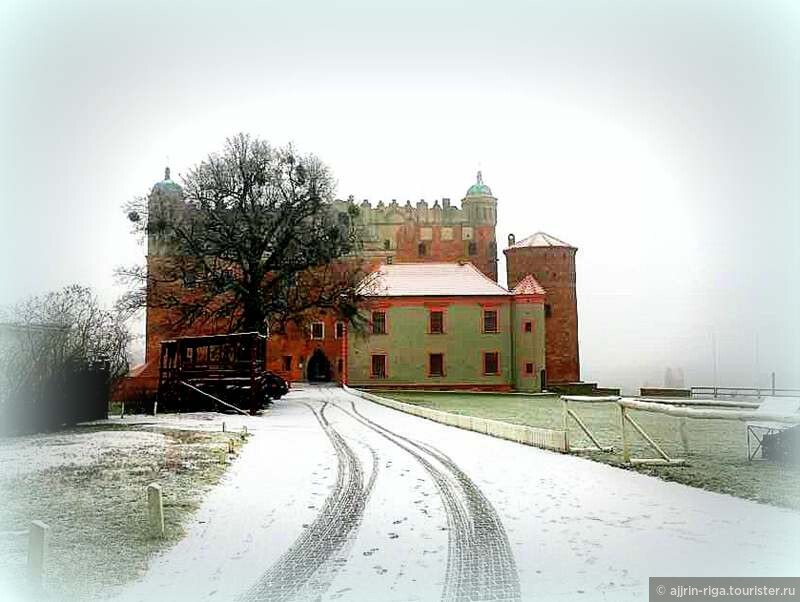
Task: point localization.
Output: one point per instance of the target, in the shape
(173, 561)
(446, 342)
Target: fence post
(155, 509)
(684, 434)
(626, 450)
(565, 422)
(37, 550)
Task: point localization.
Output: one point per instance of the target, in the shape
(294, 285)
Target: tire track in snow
(480, 563)
(305, 570)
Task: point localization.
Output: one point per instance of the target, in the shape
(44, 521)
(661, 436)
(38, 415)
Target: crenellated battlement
(421, 212)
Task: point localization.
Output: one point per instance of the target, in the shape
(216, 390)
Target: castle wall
(394, 233)
(554, 269)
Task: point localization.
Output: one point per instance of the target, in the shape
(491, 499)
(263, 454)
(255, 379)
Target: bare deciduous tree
(45, 335)
(253, 239)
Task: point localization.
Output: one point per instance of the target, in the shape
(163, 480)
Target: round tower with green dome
(163, 204)
(480, 204)
(480, 207)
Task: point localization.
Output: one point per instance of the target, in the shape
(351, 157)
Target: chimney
(445, 203)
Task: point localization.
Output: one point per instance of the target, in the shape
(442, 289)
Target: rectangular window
(548, 311)
(317, 330)
(529, 368)
(491, 363)
(437, 322)
(489, 320)
(339, 330)
(528, 326)
(472, 248)
(378, 322)
(287, 363)
(422, 250)
(436, 364)
(378, 366)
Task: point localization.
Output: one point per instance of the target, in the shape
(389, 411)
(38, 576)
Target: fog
(660, 138)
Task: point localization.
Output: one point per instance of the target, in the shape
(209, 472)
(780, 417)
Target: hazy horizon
(661, 139)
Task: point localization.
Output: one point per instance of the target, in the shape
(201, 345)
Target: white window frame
(311, 331)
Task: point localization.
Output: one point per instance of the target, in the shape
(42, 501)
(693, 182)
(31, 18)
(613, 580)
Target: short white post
(155, 509)
(565, 422)
(37, 550)
(122, 411)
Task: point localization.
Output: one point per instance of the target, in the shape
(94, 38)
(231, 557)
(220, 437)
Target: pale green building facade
(447, 326)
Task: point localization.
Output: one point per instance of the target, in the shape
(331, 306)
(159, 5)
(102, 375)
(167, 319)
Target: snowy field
(88, 484)
(337, 498)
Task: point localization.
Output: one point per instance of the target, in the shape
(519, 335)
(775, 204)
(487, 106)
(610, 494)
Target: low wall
(528, 435)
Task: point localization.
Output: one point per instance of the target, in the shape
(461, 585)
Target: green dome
(479, 188)
(167, 186)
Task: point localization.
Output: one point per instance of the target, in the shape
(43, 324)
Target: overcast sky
(661, 138)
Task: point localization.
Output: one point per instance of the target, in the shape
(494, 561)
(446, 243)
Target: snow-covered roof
(540, 239)
(430, 279)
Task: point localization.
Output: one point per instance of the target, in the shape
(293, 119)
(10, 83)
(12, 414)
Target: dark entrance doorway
(319, 368)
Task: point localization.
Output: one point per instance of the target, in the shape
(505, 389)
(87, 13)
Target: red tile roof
(430, 279)
(529, 286)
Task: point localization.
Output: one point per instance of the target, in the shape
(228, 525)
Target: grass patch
(97, 511)
(718, 448)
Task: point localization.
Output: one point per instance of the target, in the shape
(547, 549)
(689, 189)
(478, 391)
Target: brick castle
(394, 233)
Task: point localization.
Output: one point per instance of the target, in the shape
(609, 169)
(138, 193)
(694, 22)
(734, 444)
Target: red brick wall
(554, 268)
(298, 344)
(438, 250)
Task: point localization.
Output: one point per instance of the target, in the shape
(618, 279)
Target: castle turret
(552, 263)
(163, 205)
(480, 207)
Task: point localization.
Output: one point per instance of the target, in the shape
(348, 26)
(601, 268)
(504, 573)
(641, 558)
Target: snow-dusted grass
(718, 449)
(89, 484)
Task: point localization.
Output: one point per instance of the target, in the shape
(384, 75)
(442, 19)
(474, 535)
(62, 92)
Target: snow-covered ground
(337, 498)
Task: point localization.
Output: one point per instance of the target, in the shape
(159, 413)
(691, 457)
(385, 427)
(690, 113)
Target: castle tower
(164, 203)
(480, 208)
(552, 263)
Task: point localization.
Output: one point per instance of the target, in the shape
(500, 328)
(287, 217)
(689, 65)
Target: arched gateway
(319, 367)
